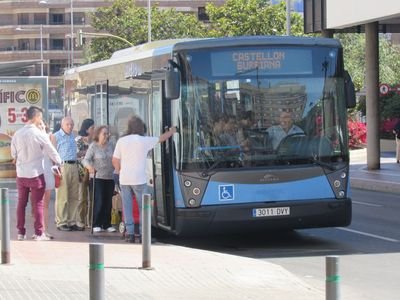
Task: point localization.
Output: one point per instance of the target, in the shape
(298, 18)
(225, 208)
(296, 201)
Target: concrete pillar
(372, 82)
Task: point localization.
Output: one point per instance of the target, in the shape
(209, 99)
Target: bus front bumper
(240, 217)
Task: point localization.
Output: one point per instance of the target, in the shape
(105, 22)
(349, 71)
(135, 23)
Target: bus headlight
(193, 188)
(339, 181)
(196, 191)
(192, 202)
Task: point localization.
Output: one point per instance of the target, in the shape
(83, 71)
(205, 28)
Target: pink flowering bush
(357, 134)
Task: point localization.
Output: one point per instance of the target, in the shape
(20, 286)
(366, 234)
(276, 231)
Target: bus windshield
(258, 106)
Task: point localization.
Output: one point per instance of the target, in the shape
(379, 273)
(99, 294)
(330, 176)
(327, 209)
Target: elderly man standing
(67, 195)
(28, 147)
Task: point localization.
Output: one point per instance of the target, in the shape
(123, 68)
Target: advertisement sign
(17, 94)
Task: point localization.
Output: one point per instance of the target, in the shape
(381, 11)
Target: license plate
(271, 212)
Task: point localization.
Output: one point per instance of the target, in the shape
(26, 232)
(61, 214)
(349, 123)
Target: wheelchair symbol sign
(226, 192)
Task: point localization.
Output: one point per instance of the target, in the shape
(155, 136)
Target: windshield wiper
(213, 166)
(224, 155)
(231, 161)
(321, 163)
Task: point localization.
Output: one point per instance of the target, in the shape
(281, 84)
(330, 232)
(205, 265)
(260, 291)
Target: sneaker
(77, 228)
(49, 235)
(111, 229)
(42, 237)
(97, 229)
(21, 237)
(64, 228)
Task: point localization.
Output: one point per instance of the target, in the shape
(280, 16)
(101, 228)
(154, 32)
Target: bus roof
(168, 46)
(254, 41)
(129, 54)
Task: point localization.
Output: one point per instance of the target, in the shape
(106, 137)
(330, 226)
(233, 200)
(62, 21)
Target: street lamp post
(41, 49)
(81, 34)
(288, 17)
(72, 34)
(149, 21)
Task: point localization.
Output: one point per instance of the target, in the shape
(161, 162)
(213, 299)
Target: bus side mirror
(172, 82)
(349, 91)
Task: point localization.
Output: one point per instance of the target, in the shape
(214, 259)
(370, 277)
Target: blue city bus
(224, 170)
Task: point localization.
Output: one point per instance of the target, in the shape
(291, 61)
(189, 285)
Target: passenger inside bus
(229, 129)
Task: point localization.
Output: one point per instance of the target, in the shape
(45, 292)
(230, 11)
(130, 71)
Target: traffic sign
(384, 89)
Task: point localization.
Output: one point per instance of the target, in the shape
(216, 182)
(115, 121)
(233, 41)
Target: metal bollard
(96, 272)
(5, 226)
(146, 229)
(332, 288)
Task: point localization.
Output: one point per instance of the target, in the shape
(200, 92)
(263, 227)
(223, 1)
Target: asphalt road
(368, 250)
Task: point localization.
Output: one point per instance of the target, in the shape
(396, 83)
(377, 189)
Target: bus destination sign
(263, 61)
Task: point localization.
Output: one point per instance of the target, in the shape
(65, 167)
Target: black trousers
(103, 192)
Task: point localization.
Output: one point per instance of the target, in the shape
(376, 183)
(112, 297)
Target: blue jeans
(127, 192)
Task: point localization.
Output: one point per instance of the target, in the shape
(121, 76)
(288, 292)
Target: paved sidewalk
(59, 270)
(387, 179)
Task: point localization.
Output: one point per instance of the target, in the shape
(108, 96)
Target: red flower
(357, 134)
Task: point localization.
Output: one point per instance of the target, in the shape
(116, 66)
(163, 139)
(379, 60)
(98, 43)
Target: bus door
(159, 116)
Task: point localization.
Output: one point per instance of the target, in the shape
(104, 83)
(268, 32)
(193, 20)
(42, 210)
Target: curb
(374, 185)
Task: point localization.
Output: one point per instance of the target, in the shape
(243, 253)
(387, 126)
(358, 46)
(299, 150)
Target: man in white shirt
(28, 147)
(129, 160)
(278, 132)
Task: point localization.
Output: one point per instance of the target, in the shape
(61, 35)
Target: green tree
(168, 23)
(389, 62)
(235, 17)
(354, 58)
(129, 21)
(389, 69)
(251, 17)
(390, 106)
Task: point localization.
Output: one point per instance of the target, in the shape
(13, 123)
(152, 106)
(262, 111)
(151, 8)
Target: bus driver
(286, 127)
